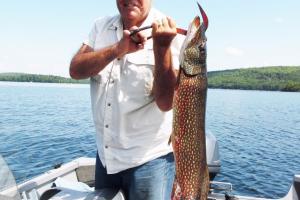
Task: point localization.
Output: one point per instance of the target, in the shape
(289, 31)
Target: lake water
(258, 132)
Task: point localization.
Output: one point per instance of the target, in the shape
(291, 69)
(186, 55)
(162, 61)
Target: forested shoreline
(23, 77)
(264, 78)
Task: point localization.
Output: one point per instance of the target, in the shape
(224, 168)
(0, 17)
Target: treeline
(265, 78)
(22, 77)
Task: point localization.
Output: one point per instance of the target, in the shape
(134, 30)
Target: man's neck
(128, 23)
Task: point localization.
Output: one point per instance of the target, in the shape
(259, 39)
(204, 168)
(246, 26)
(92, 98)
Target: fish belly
(188, 140)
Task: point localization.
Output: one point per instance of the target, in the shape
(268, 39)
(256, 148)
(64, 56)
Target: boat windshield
(8, 186)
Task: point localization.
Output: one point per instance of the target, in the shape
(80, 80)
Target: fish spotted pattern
(188, 137)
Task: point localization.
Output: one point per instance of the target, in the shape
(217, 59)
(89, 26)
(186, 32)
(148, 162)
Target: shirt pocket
(140, 71)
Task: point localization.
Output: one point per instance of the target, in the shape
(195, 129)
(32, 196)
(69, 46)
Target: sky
(41, 37)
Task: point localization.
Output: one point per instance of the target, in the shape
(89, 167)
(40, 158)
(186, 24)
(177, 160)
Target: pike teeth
(190, 34)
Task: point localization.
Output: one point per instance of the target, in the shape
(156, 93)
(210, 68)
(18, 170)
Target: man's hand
(164, 75)
(127, 45)
(163, 32)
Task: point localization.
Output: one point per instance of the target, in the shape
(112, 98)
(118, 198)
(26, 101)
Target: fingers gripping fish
(188, 137)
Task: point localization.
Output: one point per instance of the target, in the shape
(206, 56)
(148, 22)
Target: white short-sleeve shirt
(130, 128)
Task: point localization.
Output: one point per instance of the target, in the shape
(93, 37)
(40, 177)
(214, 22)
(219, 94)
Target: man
(132, 86)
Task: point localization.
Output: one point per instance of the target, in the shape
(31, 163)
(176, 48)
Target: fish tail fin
(176, 191)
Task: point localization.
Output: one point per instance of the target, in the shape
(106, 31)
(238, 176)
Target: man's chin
(132, 15)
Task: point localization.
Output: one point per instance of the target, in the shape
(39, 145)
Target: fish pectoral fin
(178, 78)
(170, 139)
(176, 191)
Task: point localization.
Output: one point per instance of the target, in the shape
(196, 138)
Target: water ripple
(258, 133)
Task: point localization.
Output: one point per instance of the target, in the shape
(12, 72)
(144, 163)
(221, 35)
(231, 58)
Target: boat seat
(49, 193)
(103, 194)
(64, 189)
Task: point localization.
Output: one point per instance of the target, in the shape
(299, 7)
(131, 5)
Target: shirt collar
(150, 18)
(117, 23)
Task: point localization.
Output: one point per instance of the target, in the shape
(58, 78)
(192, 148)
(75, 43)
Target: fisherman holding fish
(132, 82)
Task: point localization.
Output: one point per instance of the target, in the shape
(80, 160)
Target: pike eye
(201, 49)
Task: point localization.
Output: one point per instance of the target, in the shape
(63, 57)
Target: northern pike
(189, 105)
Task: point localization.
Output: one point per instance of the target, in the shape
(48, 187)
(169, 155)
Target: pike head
(193, 50)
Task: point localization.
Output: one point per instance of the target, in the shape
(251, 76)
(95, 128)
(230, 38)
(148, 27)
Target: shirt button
(109, 104)
(112, 81)
(106, 126)
(106, 147)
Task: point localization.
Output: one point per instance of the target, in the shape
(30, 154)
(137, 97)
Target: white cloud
(233, 51)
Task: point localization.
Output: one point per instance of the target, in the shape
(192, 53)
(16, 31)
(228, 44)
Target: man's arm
(87, 62)
(164, 74)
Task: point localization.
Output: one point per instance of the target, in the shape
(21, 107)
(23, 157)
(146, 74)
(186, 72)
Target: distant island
(280, 78)
(23, 77)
